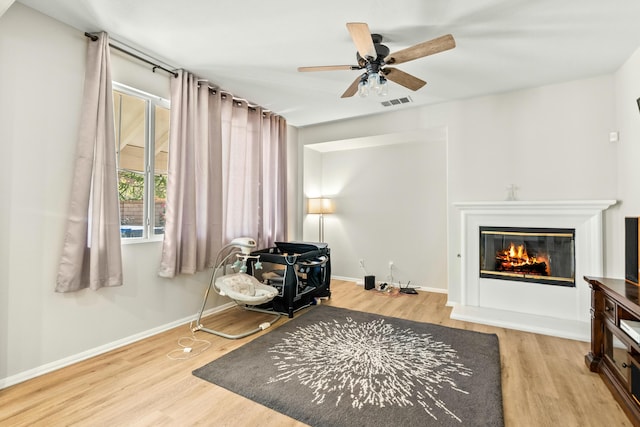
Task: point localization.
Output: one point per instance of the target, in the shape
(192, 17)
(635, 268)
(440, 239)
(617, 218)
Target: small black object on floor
(408, 291)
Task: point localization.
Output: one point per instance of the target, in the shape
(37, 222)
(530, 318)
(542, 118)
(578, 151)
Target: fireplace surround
(526, 305)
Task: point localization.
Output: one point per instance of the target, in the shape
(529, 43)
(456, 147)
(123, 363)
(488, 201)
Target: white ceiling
(252, 48)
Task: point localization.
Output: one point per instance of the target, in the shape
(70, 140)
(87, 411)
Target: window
(142, 142)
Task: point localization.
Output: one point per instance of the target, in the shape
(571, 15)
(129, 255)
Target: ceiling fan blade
(353, 89)
(403, 79)
(420, 50)
(329, 68)
(361, 37)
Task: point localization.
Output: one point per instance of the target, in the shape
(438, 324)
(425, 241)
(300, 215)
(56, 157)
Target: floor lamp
(320, 206)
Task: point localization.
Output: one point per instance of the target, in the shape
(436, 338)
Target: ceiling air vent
(397, 101)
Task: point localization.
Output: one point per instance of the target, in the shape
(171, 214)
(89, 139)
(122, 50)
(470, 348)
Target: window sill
(137, 241)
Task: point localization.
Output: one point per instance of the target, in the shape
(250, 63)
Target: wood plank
(544, 379)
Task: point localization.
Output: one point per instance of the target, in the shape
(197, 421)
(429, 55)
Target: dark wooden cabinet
(614, 354)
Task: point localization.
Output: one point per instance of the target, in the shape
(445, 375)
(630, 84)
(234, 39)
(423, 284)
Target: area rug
(338, 367)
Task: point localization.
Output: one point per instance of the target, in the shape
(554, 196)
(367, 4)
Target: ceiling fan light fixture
(373, 83)
(383, 89)
(363, 89)
(363, 86)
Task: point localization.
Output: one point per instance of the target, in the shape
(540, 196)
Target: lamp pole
(321, 227)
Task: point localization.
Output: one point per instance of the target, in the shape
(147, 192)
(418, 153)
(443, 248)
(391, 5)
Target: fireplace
(561, 311)
(526, 254)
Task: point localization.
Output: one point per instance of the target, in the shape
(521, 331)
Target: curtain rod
(252, 106)
(93, 37)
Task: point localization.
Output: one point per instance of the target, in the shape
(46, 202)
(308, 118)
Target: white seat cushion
(245, 289)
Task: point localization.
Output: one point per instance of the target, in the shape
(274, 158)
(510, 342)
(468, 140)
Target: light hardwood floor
(544, 379)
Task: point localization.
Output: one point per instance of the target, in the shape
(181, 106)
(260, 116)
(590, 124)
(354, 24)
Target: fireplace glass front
(537, 255)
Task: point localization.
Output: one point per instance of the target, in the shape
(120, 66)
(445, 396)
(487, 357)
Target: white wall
(41, 81)
(552, 142)
(627, 90)
(398, 191)
(4, 5)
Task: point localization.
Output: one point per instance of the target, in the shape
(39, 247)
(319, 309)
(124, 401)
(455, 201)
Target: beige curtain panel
(240, 169)
(254, 173)
(273, 180)
(91, 255)
(193, 227)
(226, 178)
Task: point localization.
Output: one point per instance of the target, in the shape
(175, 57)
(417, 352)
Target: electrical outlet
(391, 264)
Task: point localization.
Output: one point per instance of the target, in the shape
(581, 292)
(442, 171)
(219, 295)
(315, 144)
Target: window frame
(151, 102)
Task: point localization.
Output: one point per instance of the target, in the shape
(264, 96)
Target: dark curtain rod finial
(94, 37)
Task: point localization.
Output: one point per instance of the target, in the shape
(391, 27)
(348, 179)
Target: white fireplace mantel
(553, 207)
(552, 310)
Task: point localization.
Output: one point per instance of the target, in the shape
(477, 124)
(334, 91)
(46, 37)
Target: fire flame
(519, 253)
(516, 258)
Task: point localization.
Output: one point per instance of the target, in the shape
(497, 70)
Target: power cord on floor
(189, 347)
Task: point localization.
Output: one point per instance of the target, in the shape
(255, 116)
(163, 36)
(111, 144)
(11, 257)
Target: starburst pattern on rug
(369, 363)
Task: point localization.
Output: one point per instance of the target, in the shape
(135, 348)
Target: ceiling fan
(373, 57)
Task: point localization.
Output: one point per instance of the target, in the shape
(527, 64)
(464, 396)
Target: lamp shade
(320, 205)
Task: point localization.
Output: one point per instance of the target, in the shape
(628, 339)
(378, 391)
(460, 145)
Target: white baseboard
(434, 290)
(61, 363)
(563, 328)
(359, 281)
